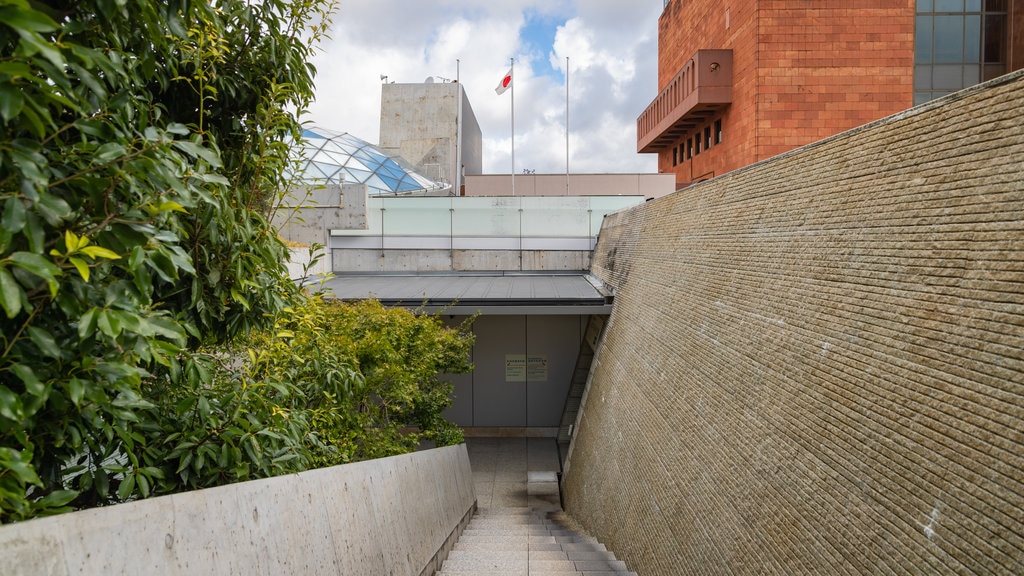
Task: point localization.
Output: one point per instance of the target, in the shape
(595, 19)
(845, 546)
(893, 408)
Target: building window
(689, 148)
(675, 156)
(707, 137)
(696, 144)
(718, 131)
(958, 43)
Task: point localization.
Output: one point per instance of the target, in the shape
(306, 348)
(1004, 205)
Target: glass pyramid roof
(329, 157)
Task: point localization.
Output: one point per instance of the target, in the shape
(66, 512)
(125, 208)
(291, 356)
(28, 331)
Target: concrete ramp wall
(815, 365)
(386, 516)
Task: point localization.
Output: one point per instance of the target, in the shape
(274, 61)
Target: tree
(367, 376)
(142, 144)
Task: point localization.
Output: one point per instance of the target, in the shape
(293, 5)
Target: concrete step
(522, 542)
(519, 528)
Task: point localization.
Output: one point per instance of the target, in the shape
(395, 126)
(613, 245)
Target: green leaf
(34, 232)
(53, 209)
(198, 151)
(28, 377)
(87, 323)
(109, 151)
(89, 80)
(39, 266)
(12, 101)
(238, 297)
(108, 323)
(76, 390)
(72, 242)
(136, 258)
(23, 18)
(44, 341)
(170, 206)
(126, 487)
(100, 252)
(101, 482)
(167, 328)
(20, 464)
(16, 69)
(11, 293)
(32, 165)
(81, 266)
(14, 212)
(10, 405)
(34, 44)
(143, 483)
(57, 498)
(154, 472)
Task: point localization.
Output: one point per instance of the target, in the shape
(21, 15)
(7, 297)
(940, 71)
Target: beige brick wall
(816, 364)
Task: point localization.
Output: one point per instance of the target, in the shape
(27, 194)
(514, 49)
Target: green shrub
(141, 146)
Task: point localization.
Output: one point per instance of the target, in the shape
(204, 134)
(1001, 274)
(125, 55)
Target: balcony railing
(482, 223)
(702, 86)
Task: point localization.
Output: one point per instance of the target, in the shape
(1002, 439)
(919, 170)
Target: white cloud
(612, 46)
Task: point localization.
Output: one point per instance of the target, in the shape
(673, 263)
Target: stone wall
(815, 365)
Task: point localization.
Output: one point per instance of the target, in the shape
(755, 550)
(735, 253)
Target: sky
(612, 51)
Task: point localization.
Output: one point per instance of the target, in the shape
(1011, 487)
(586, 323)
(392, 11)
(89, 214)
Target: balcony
(697, 92)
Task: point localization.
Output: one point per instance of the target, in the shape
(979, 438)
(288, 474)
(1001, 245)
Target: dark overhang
(499, 292)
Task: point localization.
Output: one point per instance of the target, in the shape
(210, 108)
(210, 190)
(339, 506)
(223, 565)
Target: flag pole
(566, 125)
(458, 130)
(513, 101)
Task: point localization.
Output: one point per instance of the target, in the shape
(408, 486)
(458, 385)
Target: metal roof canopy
(465, 293)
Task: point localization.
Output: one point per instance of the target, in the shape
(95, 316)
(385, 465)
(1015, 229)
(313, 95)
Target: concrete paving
(519, 528)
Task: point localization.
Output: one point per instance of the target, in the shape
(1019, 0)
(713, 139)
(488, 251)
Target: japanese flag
(505, 84)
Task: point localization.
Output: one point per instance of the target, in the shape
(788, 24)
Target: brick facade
(803, 70)
(815, 364)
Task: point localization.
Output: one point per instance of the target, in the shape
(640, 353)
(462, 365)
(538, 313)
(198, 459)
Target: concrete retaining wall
(387, 516)
(815, 365)
(306, 215)
(404, 260)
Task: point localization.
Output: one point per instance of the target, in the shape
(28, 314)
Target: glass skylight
(330, 157)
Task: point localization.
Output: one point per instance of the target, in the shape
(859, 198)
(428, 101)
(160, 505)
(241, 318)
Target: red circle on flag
(506, 81)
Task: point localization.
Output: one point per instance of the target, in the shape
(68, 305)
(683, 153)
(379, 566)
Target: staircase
(519, 528)
(526, 542)
(578, 385)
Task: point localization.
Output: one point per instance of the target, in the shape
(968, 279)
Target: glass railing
(496, 217)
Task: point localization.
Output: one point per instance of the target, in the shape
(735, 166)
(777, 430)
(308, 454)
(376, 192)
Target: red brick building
(744, 80)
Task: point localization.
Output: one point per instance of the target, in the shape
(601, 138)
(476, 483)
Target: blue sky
(538, 37)
(612, 46)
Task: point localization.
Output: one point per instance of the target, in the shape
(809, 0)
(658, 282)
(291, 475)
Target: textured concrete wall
(307, 214)
(402, 260)
(386, 516)
(420, 123)
(815, 365)
(646, 185)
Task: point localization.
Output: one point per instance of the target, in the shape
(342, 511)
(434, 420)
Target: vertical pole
(458, 132)
(566, 125)
(513, 100)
